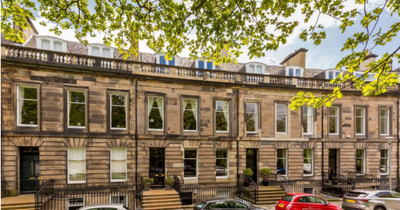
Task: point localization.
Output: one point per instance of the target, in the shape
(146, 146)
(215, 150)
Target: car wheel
(379, 208)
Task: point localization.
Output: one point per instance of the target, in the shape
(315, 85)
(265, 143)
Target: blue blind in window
(201, 64)
(172, 62)
(291, 72)
(298, 73)
(162, 60)
(209, 65)
(330, 75)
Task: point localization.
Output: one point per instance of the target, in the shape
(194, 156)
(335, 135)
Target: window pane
(281, 166)
(281, 108)
(106, 52)
(383, 128)
(330, 75)
(57, 46)
(210, 65)
(359, 125)
(76, 97)
(190, 153)
(384, 166)
(27, 93)
(359, 166)
(190, 168)
(307, 161)
(281, 124)
(307, 119)
(360, 153)
(222, 153)
(190, 114)
(332, 125)
(172, 62)
(332, 111)
(46, 44)
(251, 69)
(222, 115)
(118, 115)
(222, 167)
(359, 111)
(281, 153)
(298, 73)
(117, 99)
(251, 122)
(162, 60)
(77, 163)
(95, 51)
(77, 116)
(156, 113)
(28, 112)
(384, 112)
(201, 64)
(259, 69)
(222, 106)
(290, 72)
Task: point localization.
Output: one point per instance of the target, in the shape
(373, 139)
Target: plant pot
(168, 187)
(246, 183)
(335, 182)
(146, 187)
(265, 183)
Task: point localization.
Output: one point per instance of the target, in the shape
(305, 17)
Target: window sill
(190, 177)
(386, 174)
(252, 132)
(190, 130)
(155, 129)
(307, 134)
(27, 125)
(118, 180)
(222, 177)
(222, 131)
(77, 182)
(308, 175)
(118, 129)
(281, 133)
(333, 134)
(360, 174)
(76, 127)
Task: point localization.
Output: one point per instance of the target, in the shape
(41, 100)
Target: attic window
(100, 50)
(51, 43)
(162, 60)
(370, 78)
(332, 74)
(204, 64)
(294, 71)
(257, 68)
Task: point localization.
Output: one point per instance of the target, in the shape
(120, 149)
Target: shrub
(169, 181)
(148, 181)
(248, 172)
(265, 172)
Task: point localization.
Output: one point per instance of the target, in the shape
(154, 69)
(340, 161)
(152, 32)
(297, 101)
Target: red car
(304, 201)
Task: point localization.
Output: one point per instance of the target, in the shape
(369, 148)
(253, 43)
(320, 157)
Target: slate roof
(79, 48)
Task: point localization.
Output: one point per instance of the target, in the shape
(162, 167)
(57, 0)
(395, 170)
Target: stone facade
(53, 137)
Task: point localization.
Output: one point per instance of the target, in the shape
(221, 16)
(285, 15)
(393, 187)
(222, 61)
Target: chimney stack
(136, 44)
(297, 58)
(368, 59)
(224, 53)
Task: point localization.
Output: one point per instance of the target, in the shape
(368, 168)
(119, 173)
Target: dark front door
(29, 171)
(157, 166)
(333, 163)
(251, 162)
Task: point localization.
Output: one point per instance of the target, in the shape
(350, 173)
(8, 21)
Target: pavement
(272, 207)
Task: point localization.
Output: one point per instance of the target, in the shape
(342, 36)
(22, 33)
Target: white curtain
(259, 69)
(77, 153)
(57, 46)
(106, 53)
(118, 153)
(77, 167)
(309, 119)
(118, 166)
(193, 109)
(45, 44)
(159, 107)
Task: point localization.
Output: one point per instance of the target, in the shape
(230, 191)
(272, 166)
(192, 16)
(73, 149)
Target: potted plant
(147, 182)
(169, 182)
(350, 180)
(265, 172)
(335, 180)
(247, 174)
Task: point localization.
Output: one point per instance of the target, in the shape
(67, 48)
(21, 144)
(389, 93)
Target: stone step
(165, 208)
(157, 197)
(17, 204)
(168, 200)
(270, 196)
(161, 195)
(21, 206)
(150, 205)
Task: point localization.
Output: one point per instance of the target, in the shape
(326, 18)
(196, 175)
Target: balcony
(26, 55)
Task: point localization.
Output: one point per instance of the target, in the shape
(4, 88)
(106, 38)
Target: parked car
(301, 201)
(105, 206)
(371, 200)
(226, 204)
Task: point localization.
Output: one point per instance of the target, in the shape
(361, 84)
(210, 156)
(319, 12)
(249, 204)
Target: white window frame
(363, 121)
(286, 162)
(334, 72)
(197, 163)
(387, 161)
(126, 109)
(312, 162)
(294, 68)
(52, 40)
(363, 159)
(149, 110)
(166, 61)
(337, 119)
(126, 166)
(205, 63)
(276, 118)
(387, 122)
(196, 111)
(227, 161)
(101, 47)
(370, 78)
(255, 66)
(307, 116)
(68, 109)
(126, 199)
(257, 118)
(68, 205)
(19, 106)
(227, 120)
(75, 182)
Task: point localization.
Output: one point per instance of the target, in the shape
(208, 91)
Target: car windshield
(287, 198)
(199, 205)
(356, 194)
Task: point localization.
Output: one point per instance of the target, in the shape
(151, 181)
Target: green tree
(189, 120)
(168, 26)
(155, 118)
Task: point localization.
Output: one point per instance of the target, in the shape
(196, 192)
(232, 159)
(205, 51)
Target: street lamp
(390, 160)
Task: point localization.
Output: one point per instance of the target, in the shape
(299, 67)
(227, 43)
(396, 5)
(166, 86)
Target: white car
(106, 206)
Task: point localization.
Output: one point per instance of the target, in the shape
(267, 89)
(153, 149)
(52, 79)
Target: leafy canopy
(206, 27)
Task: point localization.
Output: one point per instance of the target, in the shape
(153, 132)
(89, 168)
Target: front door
(333, 163)
(157, 166)
(29, 171)
(251, 162)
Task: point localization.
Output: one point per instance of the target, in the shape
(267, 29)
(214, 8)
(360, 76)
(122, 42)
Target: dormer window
(294, 71)
(257, 68)
(51, 43)
(332, 74)
(204, 64)
(161, 59)
(101, 50)
(370, 78)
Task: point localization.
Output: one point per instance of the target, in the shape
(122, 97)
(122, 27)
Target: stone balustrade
(152, 69)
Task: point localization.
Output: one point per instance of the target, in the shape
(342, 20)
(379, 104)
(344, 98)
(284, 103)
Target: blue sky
(324, 56)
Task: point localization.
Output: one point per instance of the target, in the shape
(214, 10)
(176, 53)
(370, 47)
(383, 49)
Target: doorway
(157, 166)
(333, 163)
(29, 169)
(251, 162)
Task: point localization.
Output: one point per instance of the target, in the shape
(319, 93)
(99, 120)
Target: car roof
(217, 199)
(108, 205)
(370, 191)
(300, 194)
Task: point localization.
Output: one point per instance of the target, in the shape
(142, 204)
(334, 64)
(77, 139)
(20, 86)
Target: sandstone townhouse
(85, 119)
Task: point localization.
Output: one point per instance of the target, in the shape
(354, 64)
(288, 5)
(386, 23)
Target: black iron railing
(200, 193)
(45, 192)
